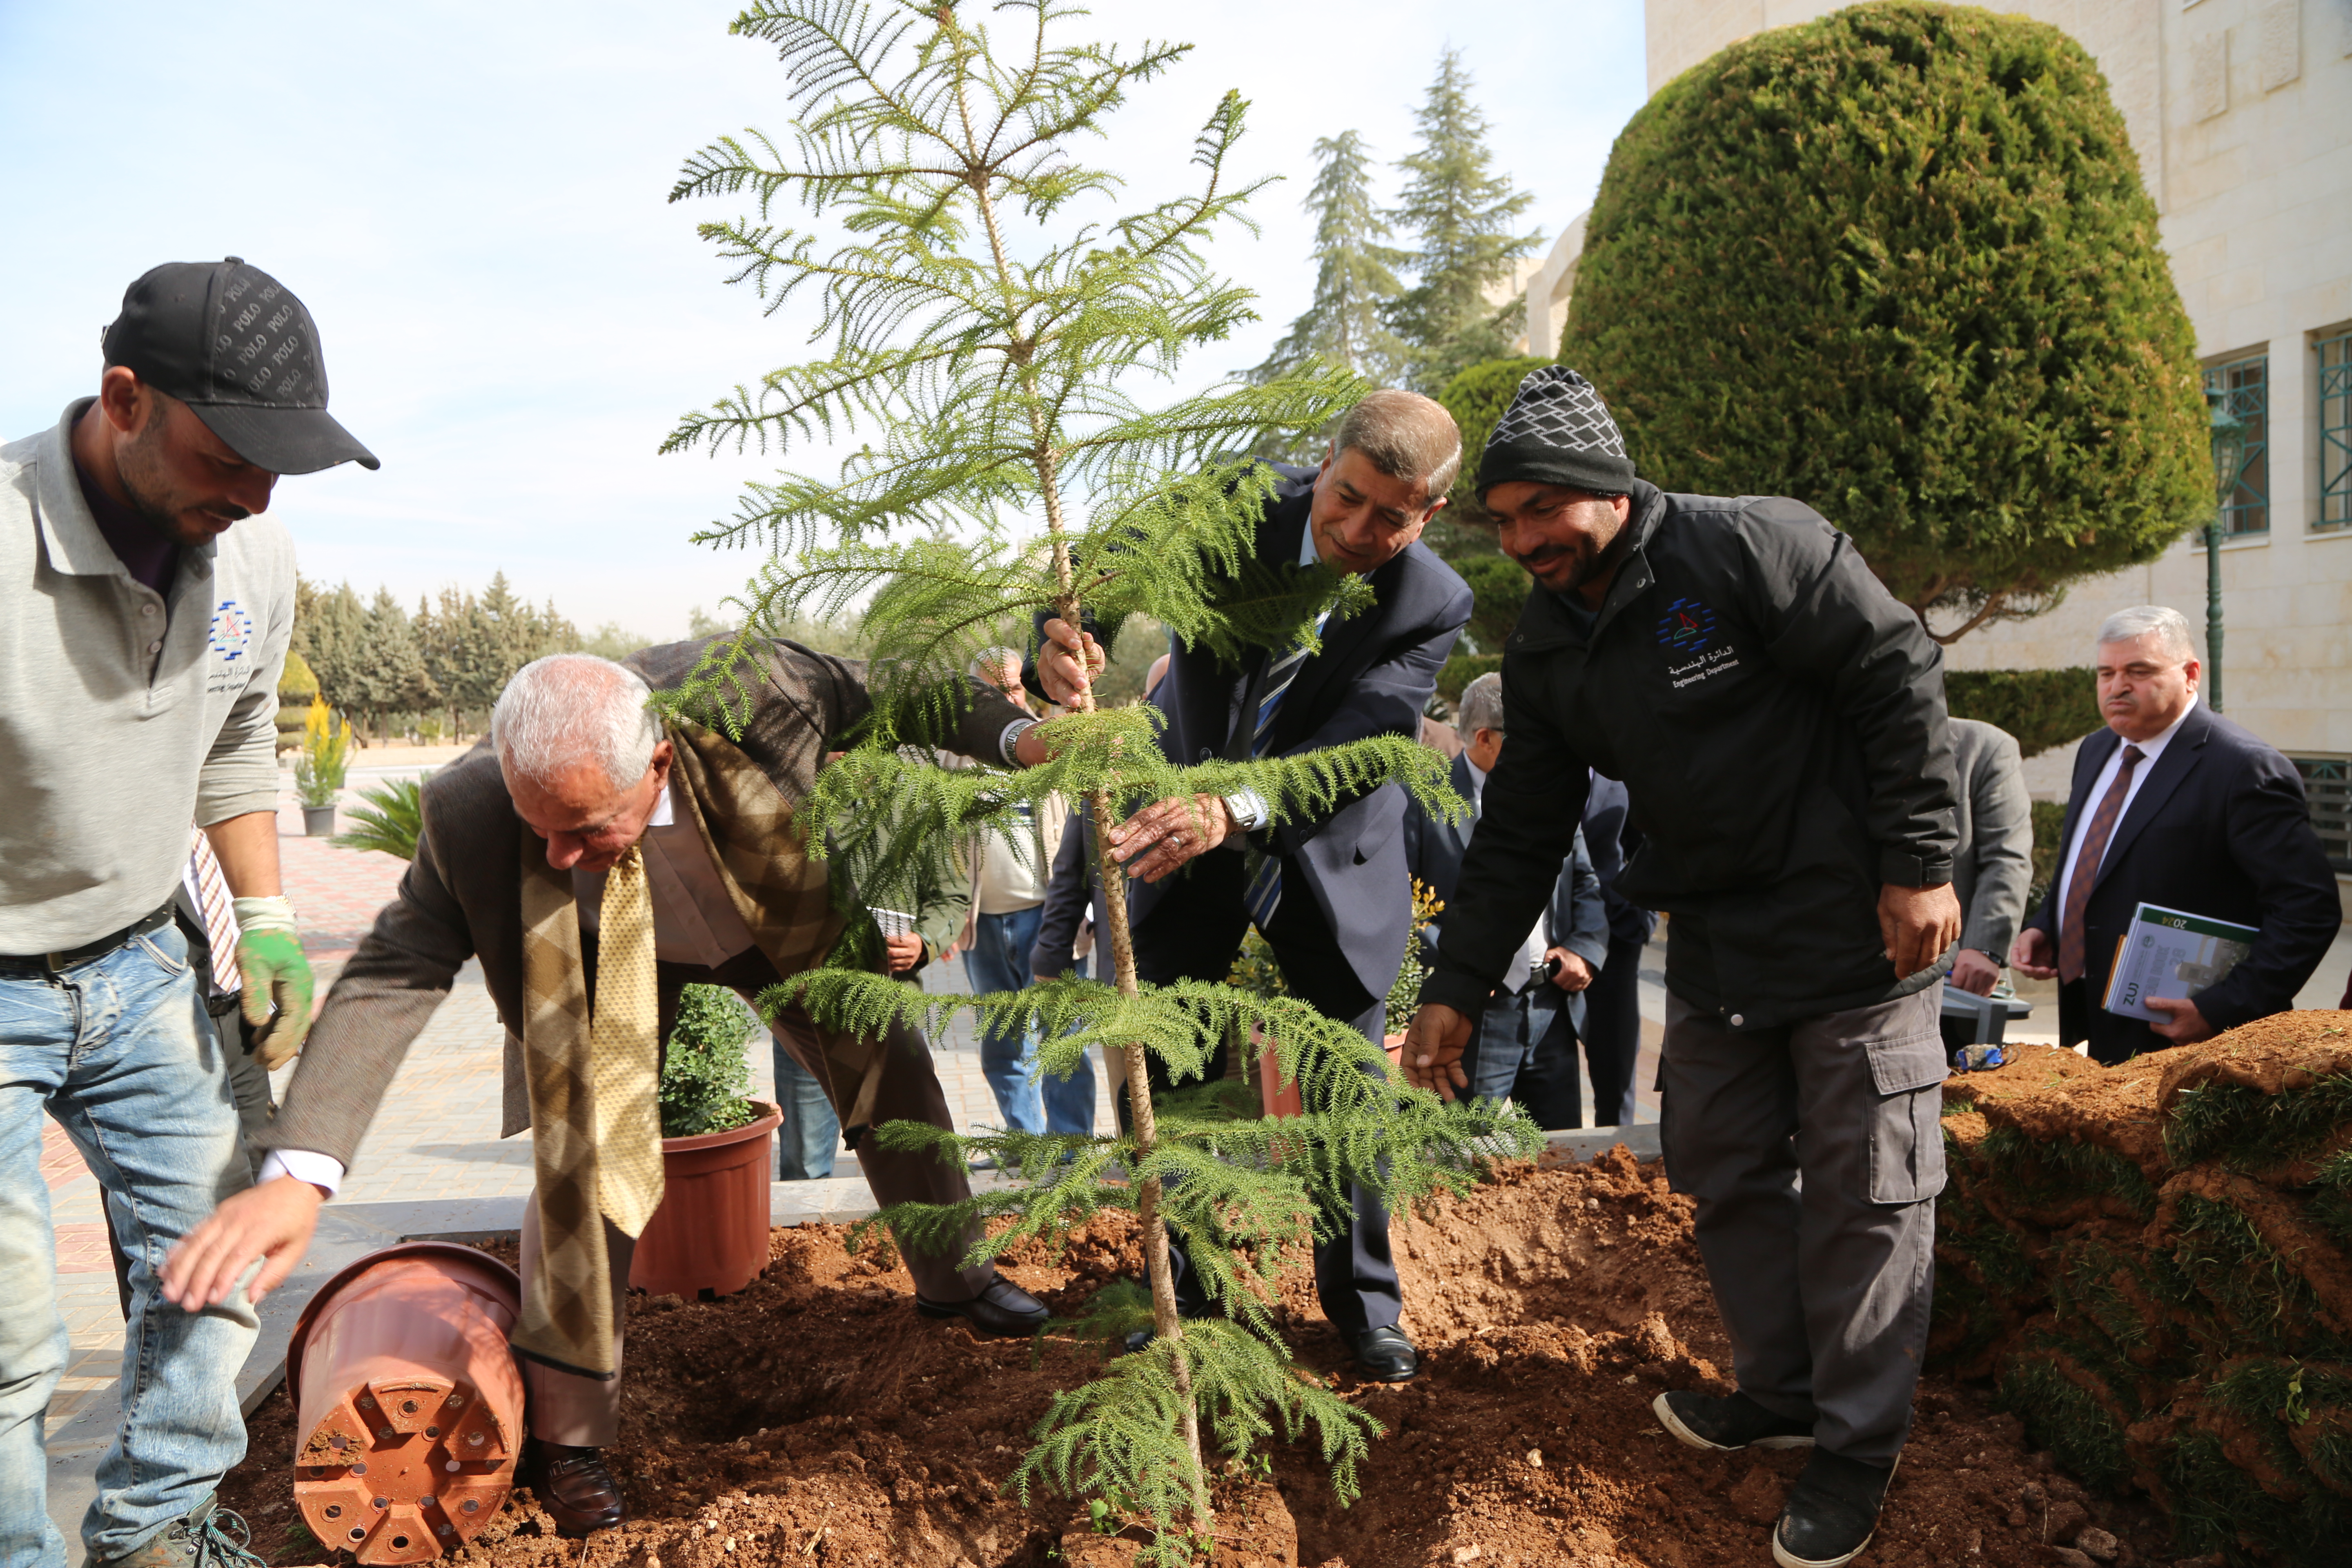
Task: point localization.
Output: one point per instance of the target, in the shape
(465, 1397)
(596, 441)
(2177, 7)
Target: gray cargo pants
(1823, 1282)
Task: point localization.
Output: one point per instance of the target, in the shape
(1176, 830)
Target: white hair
(574, 708)
(991, 663)
(1481, 709)
(2170, 626)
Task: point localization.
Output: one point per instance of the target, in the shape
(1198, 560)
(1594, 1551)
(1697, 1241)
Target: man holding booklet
(2184, 822)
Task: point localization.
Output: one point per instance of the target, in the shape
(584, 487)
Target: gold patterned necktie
(625, 1051)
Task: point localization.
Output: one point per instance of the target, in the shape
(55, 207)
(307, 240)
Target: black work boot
(209, 1537)
(1830, 1511)
(1728, 1422)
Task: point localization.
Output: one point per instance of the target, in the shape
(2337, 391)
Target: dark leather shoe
(1728, 1422)
(574, 1488)
(1385, 1355)
(1831, 1513)
(1003, 1309)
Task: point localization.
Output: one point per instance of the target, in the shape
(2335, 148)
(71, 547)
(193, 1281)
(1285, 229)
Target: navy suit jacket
(1374, 673)
(2220, 827)
(1576, 919)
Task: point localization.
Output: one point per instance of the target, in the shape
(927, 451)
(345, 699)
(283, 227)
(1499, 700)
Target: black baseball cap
(235, 345)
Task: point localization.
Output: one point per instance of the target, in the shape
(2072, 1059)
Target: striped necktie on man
(1262, 891)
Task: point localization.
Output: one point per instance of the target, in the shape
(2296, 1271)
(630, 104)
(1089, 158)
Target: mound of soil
(814, 1420)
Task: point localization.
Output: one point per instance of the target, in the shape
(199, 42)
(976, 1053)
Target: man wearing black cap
(1778, 721)
(146, 608)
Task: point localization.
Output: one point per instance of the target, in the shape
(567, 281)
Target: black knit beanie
(1557, 431)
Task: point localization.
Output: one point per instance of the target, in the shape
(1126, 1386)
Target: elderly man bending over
(595, 865)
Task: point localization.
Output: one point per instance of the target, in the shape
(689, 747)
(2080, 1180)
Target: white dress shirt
(695, 921)
(2150, 751)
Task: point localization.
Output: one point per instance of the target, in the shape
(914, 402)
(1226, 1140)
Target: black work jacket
(1779, 722)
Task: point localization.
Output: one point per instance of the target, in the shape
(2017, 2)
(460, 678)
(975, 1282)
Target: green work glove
(269, 960)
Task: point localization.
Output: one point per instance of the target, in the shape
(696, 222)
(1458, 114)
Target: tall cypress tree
(1355, 275)
(1462, 215)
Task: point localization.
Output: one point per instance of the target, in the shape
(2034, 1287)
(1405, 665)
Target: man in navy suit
(2175, 805)
(1524, 1047)
(1331, 896)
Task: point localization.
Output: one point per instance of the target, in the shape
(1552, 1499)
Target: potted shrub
(710, 1233)
(326, 759)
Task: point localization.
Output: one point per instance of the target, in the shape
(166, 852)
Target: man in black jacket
(1331, 895)
(2175, 805)
(1778, 721)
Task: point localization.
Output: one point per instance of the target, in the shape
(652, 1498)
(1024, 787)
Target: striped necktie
(1262, 893)
(210, 891)
(2072, 960)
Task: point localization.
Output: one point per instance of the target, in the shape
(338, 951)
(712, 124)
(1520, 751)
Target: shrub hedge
(2042, 708)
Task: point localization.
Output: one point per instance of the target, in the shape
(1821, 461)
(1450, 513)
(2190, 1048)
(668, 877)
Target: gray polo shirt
(124, 716)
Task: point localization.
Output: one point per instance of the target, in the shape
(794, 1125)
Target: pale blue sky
(470, 199)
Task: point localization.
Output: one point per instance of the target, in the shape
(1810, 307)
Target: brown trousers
(585, 1411)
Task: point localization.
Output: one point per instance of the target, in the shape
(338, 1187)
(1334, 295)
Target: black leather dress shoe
(1831, 1513)
(1003, 1309)
(1385, 1355)
(574, 1488)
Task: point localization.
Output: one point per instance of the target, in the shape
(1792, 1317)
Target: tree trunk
(1165, 1320)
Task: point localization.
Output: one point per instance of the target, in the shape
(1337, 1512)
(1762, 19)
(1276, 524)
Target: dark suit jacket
(1611, 839)
(1576, 919)
(1373, 675)
(2220, 827)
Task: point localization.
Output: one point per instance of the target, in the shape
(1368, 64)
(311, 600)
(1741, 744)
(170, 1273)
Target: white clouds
(471, 200)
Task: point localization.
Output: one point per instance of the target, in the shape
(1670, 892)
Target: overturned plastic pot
(710, 1233)
(409, 1407)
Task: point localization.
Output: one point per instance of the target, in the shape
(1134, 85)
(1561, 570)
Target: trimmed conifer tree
(1355, 274)
(990, 341)
(1462, 216)
(1899, 263)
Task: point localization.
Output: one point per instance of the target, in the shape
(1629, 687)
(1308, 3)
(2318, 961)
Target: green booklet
(2171, 954)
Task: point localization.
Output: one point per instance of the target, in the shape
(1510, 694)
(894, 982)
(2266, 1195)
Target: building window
(2327, 785)
(2246, 382)
(2335, 430)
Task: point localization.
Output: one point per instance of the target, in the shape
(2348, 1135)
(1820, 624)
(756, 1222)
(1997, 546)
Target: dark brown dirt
(815, 1420)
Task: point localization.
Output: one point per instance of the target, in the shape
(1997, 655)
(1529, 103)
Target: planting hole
(400, 1544)
(358, 1534)
(456, 1401)
(385, 1435)
(433, 1431)
(383, 1502)
(359, 1468)
(451, 1465)
(475, 1439)
(425, 1503)
(334, 1510)
(448, 1530)
(408, 1407)
(366, 1402)
(469, 1505)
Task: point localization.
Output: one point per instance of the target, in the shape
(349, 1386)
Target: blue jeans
(1522, 1041)
(110, 1047)
(811, 1135)
(998, 960)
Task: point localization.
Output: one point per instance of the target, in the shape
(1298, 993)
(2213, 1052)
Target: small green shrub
(387, 818)
(1461, 669)
(705, 1078)
(2043, 709)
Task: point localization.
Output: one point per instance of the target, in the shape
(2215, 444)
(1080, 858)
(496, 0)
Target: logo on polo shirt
(232, 632)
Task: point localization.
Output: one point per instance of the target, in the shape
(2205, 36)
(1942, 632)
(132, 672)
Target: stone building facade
(2241, 111)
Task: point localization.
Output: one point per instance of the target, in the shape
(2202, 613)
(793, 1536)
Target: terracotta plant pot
(409, 1406)
(711, 1230)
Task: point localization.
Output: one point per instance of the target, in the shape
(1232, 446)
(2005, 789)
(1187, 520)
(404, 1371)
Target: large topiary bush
(1899, 263)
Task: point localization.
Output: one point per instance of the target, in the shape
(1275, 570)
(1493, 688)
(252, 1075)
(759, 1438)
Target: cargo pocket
(1907, 1133)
